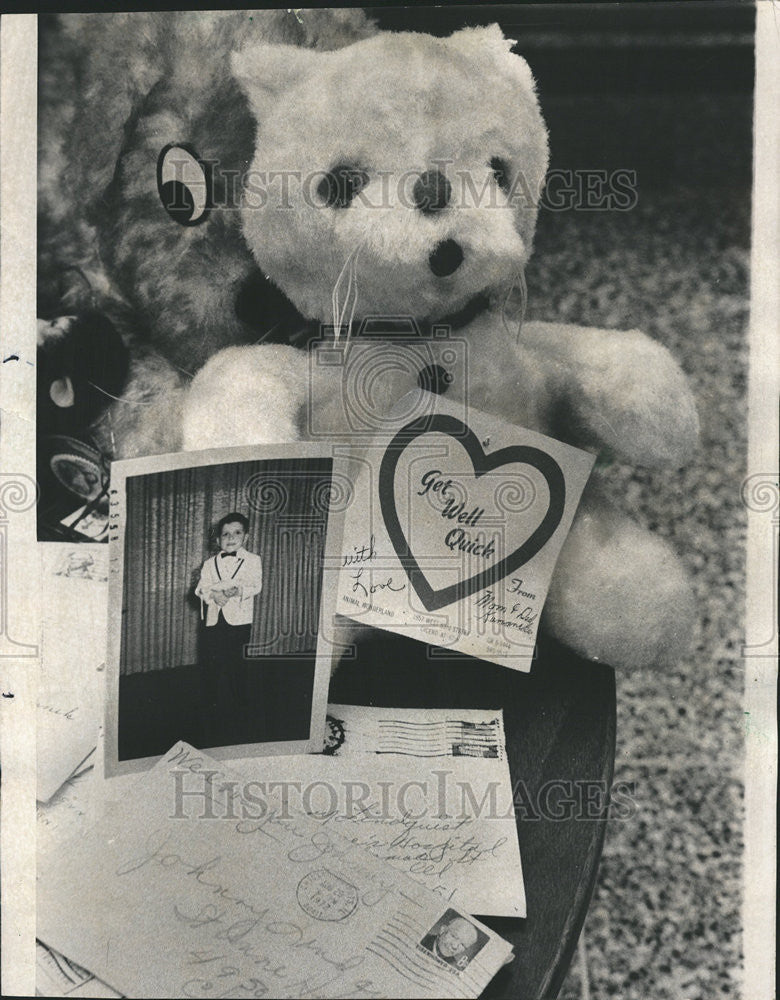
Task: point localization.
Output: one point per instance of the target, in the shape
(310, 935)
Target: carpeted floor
(665, 919)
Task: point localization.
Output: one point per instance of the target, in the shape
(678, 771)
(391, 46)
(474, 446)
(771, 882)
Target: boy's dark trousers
(224, 668)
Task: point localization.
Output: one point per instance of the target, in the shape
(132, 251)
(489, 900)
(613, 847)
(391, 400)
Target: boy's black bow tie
(234, 554)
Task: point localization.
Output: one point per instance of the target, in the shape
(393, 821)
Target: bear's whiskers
(348, 271)
(519, 314)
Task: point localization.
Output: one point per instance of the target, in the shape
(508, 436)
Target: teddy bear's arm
(615, 390)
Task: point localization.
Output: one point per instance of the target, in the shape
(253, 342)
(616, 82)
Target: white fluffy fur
(618, 594)
(232, 395)
(394, 105)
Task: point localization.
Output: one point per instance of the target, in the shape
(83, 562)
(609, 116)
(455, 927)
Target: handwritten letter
(191, 888)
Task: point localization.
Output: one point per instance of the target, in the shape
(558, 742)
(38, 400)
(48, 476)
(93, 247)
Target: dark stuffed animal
(124, 99)
(82, 367)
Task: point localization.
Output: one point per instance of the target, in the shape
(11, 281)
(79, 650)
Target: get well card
(454, 529)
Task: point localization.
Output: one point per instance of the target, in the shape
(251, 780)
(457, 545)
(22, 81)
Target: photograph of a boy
(229, 582)
(220, 606)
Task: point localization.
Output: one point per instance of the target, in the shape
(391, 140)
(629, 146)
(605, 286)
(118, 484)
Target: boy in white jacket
(229, 582)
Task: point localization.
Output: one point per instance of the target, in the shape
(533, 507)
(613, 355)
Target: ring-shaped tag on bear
(184, 184)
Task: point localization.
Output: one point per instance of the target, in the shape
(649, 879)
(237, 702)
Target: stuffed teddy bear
(423, 195)
(394, 177)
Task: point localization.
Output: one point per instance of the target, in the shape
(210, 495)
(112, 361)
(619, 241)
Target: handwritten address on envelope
(188, 889)
(428, 790)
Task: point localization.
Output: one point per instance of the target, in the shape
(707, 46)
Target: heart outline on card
(482, 463)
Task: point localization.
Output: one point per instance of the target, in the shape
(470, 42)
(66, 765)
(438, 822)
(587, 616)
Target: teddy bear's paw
(617, 390)
(620, 595)
(638, 402)
(245, 396)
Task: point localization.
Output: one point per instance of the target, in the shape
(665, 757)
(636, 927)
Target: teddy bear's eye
(340, 185)
(500, 170)
(184, 185)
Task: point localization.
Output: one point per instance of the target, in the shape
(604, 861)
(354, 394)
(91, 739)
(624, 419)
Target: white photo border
(120, 473)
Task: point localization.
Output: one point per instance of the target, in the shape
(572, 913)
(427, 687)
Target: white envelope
(74, 596)
(428, 790)
(188, 888)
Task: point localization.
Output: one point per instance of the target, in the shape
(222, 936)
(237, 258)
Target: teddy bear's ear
(490, 42)
(265, 71)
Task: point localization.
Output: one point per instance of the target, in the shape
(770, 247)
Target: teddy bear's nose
(445, 258)
(432, 192)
